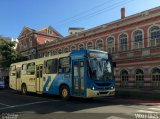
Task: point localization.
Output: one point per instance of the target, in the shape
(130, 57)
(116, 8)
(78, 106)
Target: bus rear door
(39, 71)
(13, 77)
(78, 78)
(18, 78)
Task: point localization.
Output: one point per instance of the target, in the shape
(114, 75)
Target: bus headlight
(112, 87)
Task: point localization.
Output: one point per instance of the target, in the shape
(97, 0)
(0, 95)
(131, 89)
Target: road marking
(146, 111)
(155, 109)
(27, 104)
(5, 104)
(114, 117)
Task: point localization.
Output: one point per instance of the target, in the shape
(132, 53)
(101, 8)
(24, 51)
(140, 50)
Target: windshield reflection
(100, 69)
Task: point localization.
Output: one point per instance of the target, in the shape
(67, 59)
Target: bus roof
(60, 55)
(87, 51)
(43, 58)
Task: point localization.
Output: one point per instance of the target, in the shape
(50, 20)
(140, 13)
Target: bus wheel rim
(64, 92)
(24, 90)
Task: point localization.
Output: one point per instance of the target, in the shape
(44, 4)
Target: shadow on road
(56, 104)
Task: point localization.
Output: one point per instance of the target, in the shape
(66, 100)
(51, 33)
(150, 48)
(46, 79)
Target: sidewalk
(138, 93)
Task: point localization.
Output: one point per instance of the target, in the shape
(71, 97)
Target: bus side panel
(52, 84)
(47, 81)
(12, 82)
(29, 80)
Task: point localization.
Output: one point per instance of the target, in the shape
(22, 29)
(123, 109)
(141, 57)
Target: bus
(80, 73)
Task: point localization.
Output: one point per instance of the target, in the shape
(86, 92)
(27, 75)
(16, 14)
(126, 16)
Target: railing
(154, 42)
(124, 84)
(137, 45)
(123, 47)
(155, 84)
(139, 84)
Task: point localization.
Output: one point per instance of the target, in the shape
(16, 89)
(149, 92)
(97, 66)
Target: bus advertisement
(82, 73)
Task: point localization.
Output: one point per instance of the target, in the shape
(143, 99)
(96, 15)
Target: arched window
(137, 39)
(123, 40)
(81, 46)
(39, 55)
(60, 51)
(139, 78)
(46, 54)
(54, 52)
(42, 54)
(73, 47)
(156, 74)
(139, 75)
(124, 78)
(99, 44)
(49, 53)
(66, 50)
(156, 78)
(110, 44)
(154, 33)
(90, 45)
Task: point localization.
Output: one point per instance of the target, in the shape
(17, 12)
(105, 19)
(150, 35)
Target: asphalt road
(16, 106)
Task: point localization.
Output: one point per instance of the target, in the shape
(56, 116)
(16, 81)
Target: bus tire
(64, 92)
(24, 89)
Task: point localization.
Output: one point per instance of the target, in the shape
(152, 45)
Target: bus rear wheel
(64, 92)
(24, 89)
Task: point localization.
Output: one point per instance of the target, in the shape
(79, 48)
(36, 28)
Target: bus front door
(39, 71)
(78, 78)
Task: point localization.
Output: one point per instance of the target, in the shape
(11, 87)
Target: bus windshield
(100, 69)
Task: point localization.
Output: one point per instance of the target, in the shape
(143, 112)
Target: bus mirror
(114, 64)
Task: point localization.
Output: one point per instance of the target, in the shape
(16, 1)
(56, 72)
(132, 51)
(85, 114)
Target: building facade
(133, 41)
(75, 30)
(29, 39)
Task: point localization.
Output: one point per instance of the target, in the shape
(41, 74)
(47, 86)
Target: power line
(109, 8)
(84, 12)
(102, 11)
(84, 15)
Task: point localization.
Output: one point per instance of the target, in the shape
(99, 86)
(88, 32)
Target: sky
(62, 14)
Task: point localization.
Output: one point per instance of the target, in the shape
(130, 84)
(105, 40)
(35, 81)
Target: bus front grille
(103, 93)
(103, 84)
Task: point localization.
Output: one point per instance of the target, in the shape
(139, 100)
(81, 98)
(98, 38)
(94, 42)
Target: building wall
(73, 30)
(143, 59)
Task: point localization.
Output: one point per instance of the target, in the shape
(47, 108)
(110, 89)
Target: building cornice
(103, 28)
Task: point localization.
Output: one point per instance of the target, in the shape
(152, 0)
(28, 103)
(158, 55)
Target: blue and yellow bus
(81, 73)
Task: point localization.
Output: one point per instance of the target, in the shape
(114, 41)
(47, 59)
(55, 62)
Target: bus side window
(51, 66)
(12, 70)
(24, 69)
(64, 65)
(18, 73)
(31, 68)
(41, 71)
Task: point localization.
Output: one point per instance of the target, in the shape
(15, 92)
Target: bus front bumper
(99, 93)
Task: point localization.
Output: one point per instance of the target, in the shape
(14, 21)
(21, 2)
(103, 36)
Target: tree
(8, 54)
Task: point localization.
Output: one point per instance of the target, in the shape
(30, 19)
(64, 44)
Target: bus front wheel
(24, 89)
(64, 92)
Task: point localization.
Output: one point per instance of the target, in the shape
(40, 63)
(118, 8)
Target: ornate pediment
(25, 31)
(50, 31)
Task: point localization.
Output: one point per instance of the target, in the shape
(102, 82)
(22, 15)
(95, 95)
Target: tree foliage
(8, 54)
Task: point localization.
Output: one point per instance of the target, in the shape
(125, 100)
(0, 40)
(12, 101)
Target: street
(34, 106)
